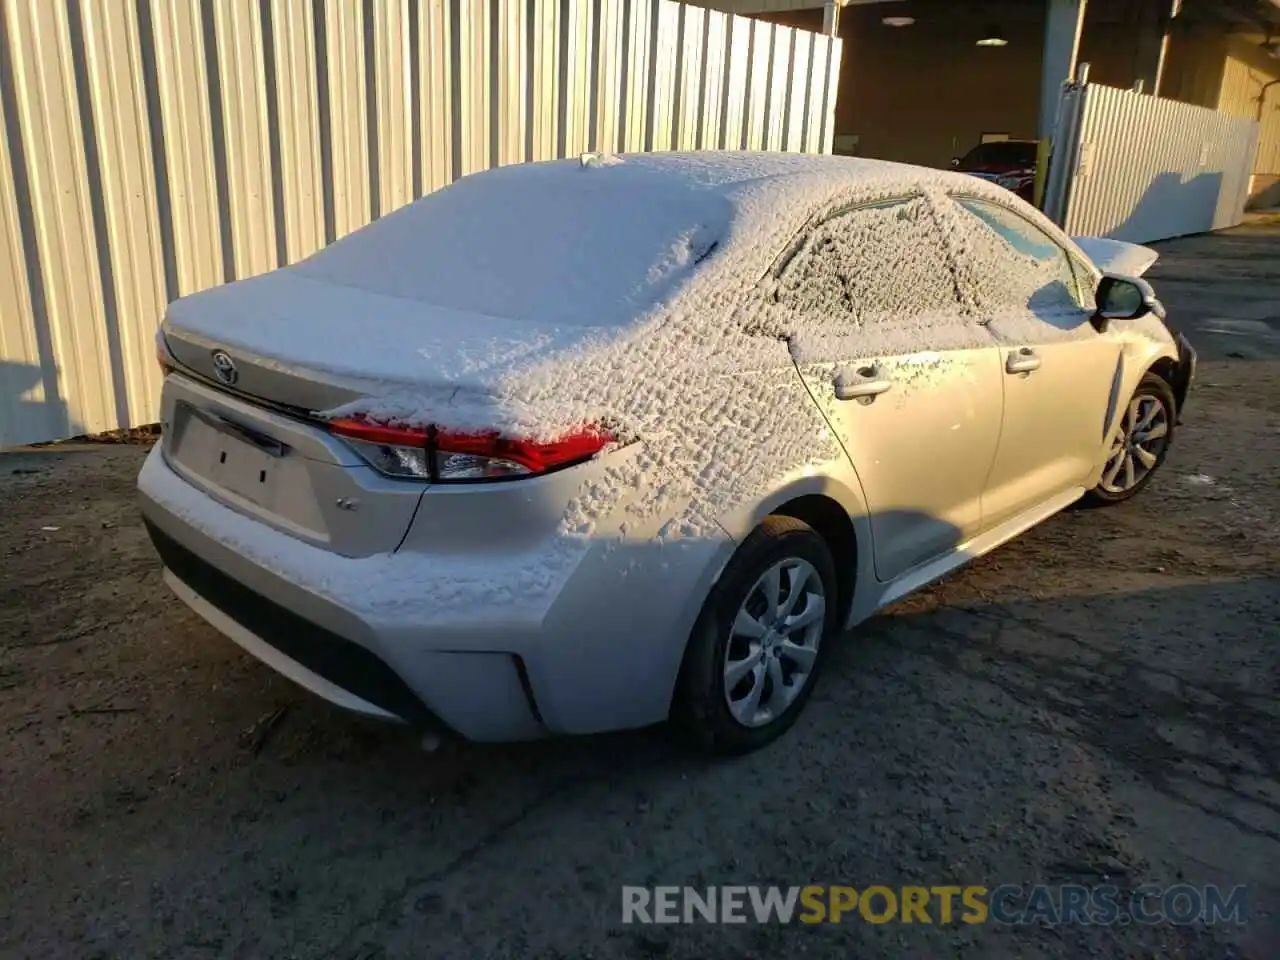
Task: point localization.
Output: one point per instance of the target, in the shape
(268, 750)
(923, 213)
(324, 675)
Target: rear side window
(876, 265)
(1010, 263)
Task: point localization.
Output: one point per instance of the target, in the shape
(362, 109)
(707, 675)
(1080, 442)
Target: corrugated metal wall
(153, 148)
(1245, 93)
(1150, 168)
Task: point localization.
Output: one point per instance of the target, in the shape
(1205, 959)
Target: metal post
(1066, 148)
(1064, 20)
(831, 17)
(1175, 8)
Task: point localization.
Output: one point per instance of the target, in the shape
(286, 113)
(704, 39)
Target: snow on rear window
(582, 251)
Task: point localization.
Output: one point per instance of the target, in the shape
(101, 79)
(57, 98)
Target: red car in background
(1010, 163)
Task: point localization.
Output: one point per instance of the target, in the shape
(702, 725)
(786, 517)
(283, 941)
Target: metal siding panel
(1158, 168)
(348, 115)
(188, 144)
(124, 150)
(610, 59)
(636, 109)
(757, 127)
(779, 74)
(298, 109)
(733, 130)
(663, 75)
(510, 46)
(50, 118)
(394, 88)
(435, 98)
(545, 52)
(471, 87)
(798, 91)
(690, 77)
(835, 50)
(816, 94)
(577, 91)
(28, 412)
(713, 78)
(245, 128)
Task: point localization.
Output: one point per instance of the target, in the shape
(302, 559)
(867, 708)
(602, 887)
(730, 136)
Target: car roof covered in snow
(600, 241)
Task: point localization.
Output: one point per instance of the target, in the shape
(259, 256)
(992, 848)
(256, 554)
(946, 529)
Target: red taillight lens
(430, 454)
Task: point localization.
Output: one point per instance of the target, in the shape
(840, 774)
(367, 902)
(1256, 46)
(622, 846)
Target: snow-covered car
(589, 445)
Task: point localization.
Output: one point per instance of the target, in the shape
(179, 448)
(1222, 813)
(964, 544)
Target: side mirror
(1125, 298)
(955, 162)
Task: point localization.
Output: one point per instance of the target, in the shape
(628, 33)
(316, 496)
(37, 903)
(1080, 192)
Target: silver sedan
(592, 445)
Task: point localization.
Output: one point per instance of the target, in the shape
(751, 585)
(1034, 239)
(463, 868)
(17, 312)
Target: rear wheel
(1141, 445)
(760, 640)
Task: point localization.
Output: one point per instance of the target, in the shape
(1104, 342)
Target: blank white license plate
(243, 469)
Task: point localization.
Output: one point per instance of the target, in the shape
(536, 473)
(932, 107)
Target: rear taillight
(425, 453)
(394, 451)
(162, 356)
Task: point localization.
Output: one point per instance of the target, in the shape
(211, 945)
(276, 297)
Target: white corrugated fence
(153, 148)
(1141, 168)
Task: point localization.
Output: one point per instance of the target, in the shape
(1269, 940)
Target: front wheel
(1140, 445)
(760, 641)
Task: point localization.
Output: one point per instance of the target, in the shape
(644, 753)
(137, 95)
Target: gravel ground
(1097, 699)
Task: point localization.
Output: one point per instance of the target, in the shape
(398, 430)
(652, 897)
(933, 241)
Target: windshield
(594, 250)
(1002, 152)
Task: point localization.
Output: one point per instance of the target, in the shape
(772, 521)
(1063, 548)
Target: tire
(1153, 392)
(701, 712)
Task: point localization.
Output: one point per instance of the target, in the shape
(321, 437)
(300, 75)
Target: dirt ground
(1095, 702)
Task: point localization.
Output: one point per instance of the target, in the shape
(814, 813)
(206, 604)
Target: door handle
(1023, 360)
(862, 389)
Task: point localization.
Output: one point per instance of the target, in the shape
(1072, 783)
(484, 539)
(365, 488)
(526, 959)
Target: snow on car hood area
(637, 295)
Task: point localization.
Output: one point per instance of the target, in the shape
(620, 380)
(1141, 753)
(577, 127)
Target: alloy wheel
(773, 642)
(1137, 447)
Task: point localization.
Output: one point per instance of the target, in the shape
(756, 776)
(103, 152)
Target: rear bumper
(578, 645)
(342, 672)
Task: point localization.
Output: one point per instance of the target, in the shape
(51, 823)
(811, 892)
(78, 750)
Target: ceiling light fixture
(993, 38)
(898, 21)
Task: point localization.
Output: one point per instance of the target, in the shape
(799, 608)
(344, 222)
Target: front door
(1060, 375)
(908, 382)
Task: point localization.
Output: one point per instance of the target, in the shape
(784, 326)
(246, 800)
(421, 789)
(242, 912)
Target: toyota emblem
(224, 368)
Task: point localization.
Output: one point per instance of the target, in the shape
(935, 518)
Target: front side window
(1010, 264)
(872, 267)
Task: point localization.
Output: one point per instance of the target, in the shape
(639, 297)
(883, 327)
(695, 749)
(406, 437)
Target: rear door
(908, 381)
(1060, 375)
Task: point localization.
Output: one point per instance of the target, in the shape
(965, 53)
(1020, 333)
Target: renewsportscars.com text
(1104, 904)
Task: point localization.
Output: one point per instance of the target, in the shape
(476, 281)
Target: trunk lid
(259, 359)
(284, 471)
(310, 345)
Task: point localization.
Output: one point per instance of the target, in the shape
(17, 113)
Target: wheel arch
(832, 503)
(1176, 376)
(831, 522)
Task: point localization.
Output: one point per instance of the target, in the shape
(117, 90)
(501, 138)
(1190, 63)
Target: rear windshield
(581, 247)
(1001, 152)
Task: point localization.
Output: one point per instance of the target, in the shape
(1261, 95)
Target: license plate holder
(241, 461)
(243, 470)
